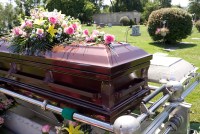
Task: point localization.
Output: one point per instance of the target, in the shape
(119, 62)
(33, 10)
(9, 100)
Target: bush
(178, 22)
(197, 24)
(124, 21)
(131, 22)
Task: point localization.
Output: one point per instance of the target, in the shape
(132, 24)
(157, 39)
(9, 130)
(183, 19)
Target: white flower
(59, 31)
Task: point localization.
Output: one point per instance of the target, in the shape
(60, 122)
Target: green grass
(189, 51)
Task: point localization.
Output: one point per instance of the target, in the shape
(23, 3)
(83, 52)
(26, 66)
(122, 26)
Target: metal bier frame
(174, 92)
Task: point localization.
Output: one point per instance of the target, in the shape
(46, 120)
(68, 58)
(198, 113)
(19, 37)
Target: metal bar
(159, 103)
(58, 110)
(153, 107)
(190, 89)
(160, 119)
(167, 130)
(93, 122)
(152, 95)
(153, 87)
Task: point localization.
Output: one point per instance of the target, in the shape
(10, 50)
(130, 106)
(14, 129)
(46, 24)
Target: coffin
(98, 81)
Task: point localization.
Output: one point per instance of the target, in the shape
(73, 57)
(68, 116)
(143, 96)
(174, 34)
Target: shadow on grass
(178, 45)
(195, 126)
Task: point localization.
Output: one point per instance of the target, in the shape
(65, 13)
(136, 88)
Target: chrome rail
(58, 110)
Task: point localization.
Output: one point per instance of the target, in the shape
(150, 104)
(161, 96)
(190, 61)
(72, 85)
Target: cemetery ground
(188, 49)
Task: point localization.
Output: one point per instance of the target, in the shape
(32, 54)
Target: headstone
(136, 31)
(102, 25)
(109, 24)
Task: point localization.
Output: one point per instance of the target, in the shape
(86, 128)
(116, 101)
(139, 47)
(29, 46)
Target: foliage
(81, 9)
(124, 21)
(148, 8)
(127, 5)
(165, 3)
(8, 17)
(178, 21)
(131, 22)
(197, 24)
(194, 8)
(24, 6)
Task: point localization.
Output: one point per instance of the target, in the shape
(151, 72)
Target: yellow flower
(39, 21)
(74, 130)
(51, 30)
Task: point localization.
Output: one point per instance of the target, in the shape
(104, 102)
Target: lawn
(189, 50)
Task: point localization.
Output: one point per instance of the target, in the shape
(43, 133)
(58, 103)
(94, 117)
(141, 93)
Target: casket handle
(130, 90)
(13, 69)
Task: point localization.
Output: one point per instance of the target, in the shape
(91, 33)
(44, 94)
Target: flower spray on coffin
(41, 31)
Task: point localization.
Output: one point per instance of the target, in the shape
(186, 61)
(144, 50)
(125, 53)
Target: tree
(82, 9)
(127, 5)
(165, 3)
(24, 6)
(194, 8)
(7, 17)
(149, 7)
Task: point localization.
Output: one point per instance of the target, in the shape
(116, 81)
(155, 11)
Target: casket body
(99, 81)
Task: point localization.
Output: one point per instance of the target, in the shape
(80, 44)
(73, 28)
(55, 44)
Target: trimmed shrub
(178, 22)
(131, 22)
(124, 21)
(197, 24)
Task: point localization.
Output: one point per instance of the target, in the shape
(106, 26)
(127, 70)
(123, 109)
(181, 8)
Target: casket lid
(97, 58)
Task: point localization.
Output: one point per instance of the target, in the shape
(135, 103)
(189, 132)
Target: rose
(86, 32)
(17, 31)
(39, 31)
(28, 23)
(75, 26)
(95, 32)
(109, 38)
(45, 129)
(53, 20)
(69, 30)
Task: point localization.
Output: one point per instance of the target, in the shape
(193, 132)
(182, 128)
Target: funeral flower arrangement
(43, 30)
(162, 31)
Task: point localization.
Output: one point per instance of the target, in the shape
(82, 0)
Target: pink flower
(88, 39)
(95, 32)
(53, 20)
(1, 120)
(28, 23)
(45, 129)
(17, 31)
(39, 31)
(64, 24)
(109, 38)
(86, 32)
(75, 26)
(69, 30)
(158, 31)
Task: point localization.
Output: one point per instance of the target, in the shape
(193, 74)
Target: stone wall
(114, 18)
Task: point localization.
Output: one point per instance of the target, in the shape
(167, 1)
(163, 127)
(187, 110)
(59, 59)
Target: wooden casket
(98, 81)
